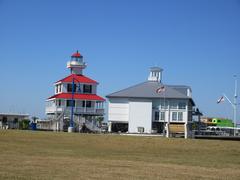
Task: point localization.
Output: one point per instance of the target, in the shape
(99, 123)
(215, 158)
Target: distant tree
(24, 124)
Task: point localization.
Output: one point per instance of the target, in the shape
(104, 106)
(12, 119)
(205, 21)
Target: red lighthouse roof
(77, 79)
(93, 97)
(76, 54)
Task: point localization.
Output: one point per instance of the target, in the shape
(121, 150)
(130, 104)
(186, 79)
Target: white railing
(78, 110)
(88, 110)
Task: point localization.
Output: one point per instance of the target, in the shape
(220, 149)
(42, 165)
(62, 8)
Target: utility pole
(234, 105)
(70, 128)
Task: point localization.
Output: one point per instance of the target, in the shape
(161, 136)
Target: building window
(180, 116)
(156, 116)
(86, 103)
(173, 105)
(4, 120)
(87, 88)
(69, 87)
(89, 103)
(15, 121)
(59, 88)
(162, 116)
(182, 105)
(163, 104)
(177, 116)
(174, 116)
(69, 103)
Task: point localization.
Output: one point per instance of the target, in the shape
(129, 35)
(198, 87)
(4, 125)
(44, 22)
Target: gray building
(151, 107)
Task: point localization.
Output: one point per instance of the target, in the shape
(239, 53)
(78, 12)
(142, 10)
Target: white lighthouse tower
(76, 64)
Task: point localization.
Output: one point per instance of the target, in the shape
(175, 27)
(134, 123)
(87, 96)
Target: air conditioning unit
(140, 129)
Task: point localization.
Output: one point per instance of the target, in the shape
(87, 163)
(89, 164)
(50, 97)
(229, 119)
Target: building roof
(76, 54)
(78, 79)
(77, 96)
(14, 114)
(149, 89)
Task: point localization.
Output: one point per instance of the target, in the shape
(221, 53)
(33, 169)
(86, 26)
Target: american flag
(221, 99)
(161, 89)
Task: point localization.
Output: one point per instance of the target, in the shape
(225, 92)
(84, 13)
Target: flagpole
(235, 106)
(164, 104)
(228, 100)
(160, 109)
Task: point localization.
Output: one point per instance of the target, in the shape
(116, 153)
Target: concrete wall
(118, 110)
(140, 115)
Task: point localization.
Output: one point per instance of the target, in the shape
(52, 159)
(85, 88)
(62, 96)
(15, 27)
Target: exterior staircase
(91, 125)
(60, 122)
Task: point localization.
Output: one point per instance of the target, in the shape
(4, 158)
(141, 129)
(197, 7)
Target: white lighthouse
(75, 101)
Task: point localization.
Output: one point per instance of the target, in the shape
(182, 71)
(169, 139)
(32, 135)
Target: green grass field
(49, 155)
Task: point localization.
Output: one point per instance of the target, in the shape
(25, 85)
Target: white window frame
(155, 115)
(162, 115)
(182, 107)
(175, 115)
(178, 117)
(173, 105)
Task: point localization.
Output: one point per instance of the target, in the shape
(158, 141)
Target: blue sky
(197, 43)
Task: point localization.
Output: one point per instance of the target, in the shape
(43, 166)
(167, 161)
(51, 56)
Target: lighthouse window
(59, 88)
(87, 88)
(69, 103)
(69, 87)
(86, 104)
(59, 102)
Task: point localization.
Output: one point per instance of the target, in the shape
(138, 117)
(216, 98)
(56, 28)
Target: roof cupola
(155, 74)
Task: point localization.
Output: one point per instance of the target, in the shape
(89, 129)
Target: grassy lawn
(49, 155)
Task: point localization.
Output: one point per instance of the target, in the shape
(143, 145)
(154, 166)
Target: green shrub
(24, 124)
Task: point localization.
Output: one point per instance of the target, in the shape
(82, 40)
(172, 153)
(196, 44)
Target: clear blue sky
(197, 43)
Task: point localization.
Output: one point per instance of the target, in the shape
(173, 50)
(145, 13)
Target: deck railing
(77, 110)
